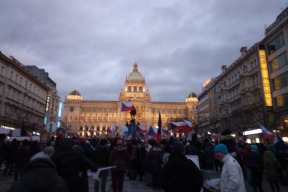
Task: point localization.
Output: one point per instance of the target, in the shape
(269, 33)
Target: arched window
(135, 89)
(98, 128)
(140, 89)
(129, 88)
(81, 128)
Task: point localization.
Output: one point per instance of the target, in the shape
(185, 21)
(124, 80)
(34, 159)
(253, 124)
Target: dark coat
(119, 157)
(39, 175)
(101, 156)
(181, 174)
(71, 166)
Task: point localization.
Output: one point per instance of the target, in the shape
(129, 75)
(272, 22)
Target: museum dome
(192, 95)
(135, 75)
(75, 92)
(74, 95)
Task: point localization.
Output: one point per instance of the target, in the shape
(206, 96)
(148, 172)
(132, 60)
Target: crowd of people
(62, 163)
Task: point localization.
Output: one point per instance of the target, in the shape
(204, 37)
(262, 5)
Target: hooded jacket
(39, 175)
(231, 176)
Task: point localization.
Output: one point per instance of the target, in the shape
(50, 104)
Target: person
(72, 165)
(242, 159)
(40, 174)
(119, 157)
(180, 173)
(272, 166)
(228, 140)
(101, 159)
(255, 166)
(231, 176)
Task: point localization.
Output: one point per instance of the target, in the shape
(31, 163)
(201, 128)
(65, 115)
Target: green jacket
(272, 166)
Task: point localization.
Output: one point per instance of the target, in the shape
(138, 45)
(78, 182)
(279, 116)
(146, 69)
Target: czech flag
(152, 132)
(28, 134)
(140, 129)
(109, 131)
(127, 107)
(265, 133)
(278, 141)
(182, 125)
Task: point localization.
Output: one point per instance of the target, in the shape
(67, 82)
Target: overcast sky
(92, 45)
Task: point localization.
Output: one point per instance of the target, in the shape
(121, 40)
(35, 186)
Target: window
(168, 111)
(129, 88)
(94, 110)
(135, 89)
(276, 44)
(83, 110)
(105, 110)
(278, 62)
(2, 70)
(99, 119)
(81, 128)
(163, 111)
(280, 82)
(11, 75)
(110, 110)
(99, 110)
(281, 101)
(178, 111)
(140, 89)
(173, 111)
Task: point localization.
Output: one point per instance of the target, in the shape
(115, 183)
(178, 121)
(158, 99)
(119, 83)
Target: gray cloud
(92, 45)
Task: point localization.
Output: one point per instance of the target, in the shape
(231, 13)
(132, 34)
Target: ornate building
(22, 96)
(79, 113)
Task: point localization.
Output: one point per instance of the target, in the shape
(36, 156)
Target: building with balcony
(235, 97)
(79, 113)
(22, 96)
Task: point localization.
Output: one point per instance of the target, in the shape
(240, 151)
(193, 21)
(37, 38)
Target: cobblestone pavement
(129, 185)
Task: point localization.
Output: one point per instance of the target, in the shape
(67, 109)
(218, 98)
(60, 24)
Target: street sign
(51, 127)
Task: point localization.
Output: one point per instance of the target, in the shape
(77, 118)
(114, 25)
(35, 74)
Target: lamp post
(22, 131)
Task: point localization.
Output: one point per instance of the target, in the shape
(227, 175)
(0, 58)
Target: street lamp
(22, 133)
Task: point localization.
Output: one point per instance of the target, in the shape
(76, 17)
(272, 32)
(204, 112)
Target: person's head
(103, 142)
(254, 148)
(178, 147)
(220, 151)
(119, 142)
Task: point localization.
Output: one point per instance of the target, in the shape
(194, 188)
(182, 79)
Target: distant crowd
(62, 163)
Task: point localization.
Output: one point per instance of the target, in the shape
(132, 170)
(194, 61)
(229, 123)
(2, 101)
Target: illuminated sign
(207, 82)
(265, 79)
(47, 102)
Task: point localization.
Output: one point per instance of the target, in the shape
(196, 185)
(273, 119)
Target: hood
(268, 155)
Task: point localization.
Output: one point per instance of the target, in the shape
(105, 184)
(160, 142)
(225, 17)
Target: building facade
(22, 96)
(53, 99)
(235, 97)
(79, 113)
(275, 45)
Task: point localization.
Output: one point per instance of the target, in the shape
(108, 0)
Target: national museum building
(100, 115)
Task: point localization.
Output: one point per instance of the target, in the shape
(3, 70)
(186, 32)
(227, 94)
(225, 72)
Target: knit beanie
(221, 148)
(254, 147)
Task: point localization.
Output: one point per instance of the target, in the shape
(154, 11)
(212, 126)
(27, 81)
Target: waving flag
(159, 131)
(152, 132)
(109, 131)
(127, 107)
(278, 141)
(265, 133)
(91, 131)
(182, 125)
(28, 134)
(140, 129)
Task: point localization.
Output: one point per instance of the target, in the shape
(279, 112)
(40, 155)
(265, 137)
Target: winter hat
(221, 148)
(254, 147)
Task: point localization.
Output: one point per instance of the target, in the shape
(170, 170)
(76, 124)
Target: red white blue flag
(140, 129)
(109, 131)
(278, 142)
(127, 107)
(152, 132)
(182, 125)
(265, 133)
(28, 134)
